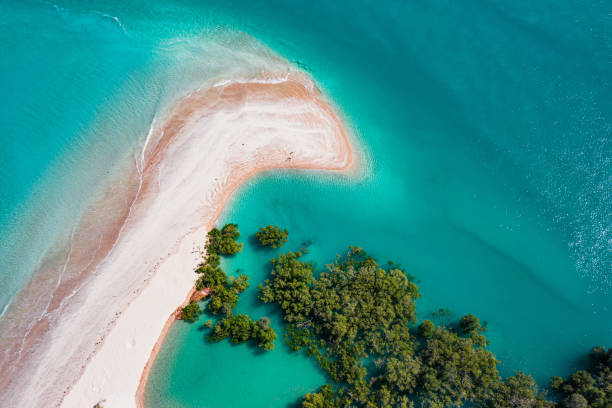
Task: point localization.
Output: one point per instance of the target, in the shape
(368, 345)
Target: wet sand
(102, 344)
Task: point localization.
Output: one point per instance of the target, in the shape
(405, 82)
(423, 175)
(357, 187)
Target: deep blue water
(487, 127)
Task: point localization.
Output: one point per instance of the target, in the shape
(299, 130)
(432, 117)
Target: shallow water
(487, 131)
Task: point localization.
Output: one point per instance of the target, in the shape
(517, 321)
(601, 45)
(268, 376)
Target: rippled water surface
(486, 127)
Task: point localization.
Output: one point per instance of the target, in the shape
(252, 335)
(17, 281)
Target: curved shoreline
(140, 392)
(321, 145)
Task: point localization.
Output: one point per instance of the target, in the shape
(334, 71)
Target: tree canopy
(358, 320)
(223, 242)
(224, 291)
(470, 324)
(518, 391)
(272, 236)
(191, 312)
(591, 387)
(350, 312)
(224, 295)
(240, 328)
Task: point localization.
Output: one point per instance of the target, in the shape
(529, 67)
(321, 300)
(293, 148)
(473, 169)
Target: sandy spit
(209, 143)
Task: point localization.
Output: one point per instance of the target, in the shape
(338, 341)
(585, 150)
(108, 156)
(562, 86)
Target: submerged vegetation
(272, 236)
(358, 320)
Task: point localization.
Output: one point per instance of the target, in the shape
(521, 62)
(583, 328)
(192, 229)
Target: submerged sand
(101, 345)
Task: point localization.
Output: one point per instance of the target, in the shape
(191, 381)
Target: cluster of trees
(224, 295)
(223, 242)
(456, 369)
(272, 236)
(211, 276)
(191, 312)
(358, 320)
(224, 290)
(210, 271)
(240, 328)
(588, 388)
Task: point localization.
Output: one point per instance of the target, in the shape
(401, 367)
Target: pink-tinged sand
(210, 143)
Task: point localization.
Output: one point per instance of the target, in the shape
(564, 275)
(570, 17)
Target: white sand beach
(209, 143)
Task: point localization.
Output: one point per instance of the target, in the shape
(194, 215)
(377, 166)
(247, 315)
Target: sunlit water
(486, 127)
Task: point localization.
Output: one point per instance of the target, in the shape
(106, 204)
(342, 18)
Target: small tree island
(272, 236)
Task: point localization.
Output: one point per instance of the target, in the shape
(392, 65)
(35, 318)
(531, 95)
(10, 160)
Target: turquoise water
(487, 124)
(82, 86)
(55, 75)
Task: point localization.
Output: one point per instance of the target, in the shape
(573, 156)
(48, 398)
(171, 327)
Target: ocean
(485, 128)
